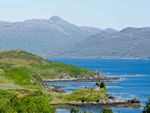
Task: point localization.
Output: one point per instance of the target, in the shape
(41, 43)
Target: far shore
(87, 79)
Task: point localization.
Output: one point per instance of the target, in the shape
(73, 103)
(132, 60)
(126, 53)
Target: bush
(105, 110)
(103, 85)
(4, 92)
(147, 108)
(74, 110)
(85, 111)
(98, 84)
(26, 104)
(36, 93)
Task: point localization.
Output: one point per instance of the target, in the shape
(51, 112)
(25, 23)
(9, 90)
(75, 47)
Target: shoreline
(88, 79)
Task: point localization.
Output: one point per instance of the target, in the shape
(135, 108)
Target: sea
(130, 87)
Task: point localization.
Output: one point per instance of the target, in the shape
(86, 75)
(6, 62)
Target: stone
(110, 96)
(97, 87)
(92, 89)
(109, 101)
(135, 100)
(32, 80)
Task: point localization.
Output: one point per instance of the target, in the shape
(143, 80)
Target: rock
(32, 80)
(96, 76)
(110, 96)
(109, 101)
(135, 100)
(97, 87)
(86, 86)
(92, 89)
(79, 102)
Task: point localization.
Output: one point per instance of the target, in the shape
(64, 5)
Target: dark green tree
(98, 84)
(105, 110)
(103, 85)
(74, 110)
(147, 108)
(85, 111)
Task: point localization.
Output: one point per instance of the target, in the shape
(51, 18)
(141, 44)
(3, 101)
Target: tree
(25, 104)
(74, 110)
(98, 84)
(85, 111)
(105, 110)
(147, 108)
(103, 85)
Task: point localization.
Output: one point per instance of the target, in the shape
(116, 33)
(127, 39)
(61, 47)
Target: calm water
(130, 87)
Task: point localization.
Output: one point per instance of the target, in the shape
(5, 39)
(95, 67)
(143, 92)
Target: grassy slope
(38, 65)
(24, 66)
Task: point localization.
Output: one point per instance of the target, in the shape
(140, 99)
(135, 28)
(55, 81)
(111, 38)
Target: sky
(102, 14)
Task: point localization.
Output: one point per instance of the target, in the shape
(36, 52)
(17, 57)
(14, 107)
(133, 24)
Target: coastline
(88, 79)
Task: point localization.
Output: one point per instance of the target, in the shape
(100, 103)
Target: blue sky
(103, 14)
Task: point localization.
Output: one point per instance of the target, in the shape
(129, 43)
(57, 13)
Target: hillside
(19, 59)
(127, 43)
(21, 75)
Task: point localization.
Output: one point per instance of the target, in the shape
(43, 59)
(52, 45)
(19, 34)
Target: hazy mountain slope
(93, 30)
(110, 30)
(128, 43)
(39, 34)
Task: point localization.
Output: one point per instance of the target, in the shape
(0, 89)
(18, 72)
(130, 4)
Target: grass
(18, 75)
(4, 92)
(18, 67)
(34, 63)
(25, 53)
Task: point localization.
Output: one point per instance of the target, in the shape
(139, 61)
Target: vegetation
(21, 73)
(74, 110)
(103, 85)
(147, 108)
(40, 66)
(4, 92)
(86, 95)
(98, 84)
(105, 110)
(26, 104)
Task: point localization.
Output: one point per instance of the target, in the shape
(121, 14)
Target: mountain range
(56, 37)
(127, 43)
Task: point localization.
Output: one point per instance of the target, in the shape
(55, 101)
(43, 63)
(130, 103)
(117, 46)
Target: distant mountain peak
(110, 29)
(56, 18)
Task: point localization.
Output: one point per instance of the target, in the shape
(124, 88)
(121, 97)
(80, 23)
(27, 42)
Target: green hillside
(19, 59)
(22, 72)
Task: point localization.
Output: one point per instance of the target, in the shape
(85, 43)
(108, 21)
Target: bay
(130, 87)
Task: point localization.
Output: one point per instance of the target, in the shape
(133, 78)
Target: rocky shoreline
(111, 101)
(87, 79)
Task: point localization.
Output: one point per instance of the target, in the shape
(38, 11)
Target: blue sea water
(130, 87)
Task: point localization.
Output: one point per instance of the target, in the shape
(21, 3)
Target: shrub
(103, 85)
(27, 104)
(85, 111)
(105, 110)
(147, 108)
(98, 84)
(74, 110)
(4, 92)
(36, 93)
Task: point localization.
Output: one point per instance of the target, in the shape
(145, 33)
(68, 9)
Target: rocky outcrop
(110, 96)
(86, 79)
(111, 103)
(97, 87)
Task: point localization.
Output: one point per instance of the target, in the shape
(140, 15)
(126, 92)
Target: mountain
(127, 43)
(110, 30)
(36, 35)
(91, 29)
